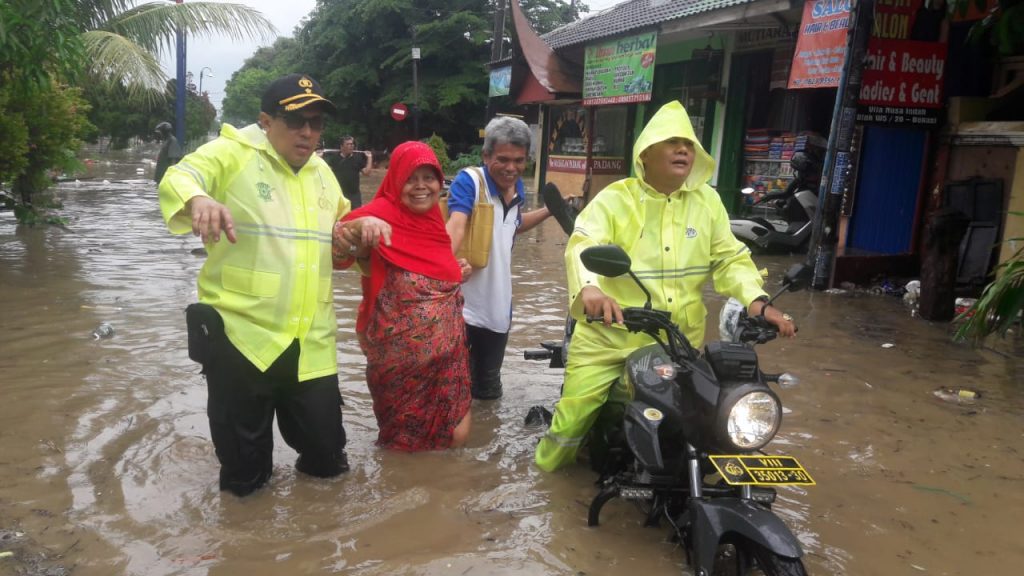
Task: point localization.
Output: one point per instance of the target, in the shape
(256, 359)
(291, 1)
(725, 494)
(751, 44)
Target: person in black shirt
(347, 165)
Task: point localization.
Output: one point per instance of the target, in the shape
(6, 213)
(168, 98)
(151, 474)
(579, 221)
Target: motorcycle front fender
(713, 519)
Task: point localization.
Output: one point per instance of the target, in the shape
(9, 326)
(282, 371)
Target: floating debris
(957, 395)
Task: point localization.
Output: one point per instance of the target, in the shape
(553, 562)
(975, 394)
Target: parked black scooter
(788, 214)
(688, 444)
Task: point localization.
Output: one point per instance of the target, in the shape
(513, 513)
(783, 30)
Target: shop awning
(538, 74)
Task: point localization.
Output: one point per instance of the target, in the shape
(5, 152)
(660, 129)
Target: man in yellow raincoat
(265, 327)
(675, 229)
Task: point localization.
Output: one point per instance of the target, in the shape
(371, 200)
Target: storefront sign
(501, 79)
(894, 18)
(764, 37)
(619, 71)
(578, 165)
(821, 46)
(902, 82)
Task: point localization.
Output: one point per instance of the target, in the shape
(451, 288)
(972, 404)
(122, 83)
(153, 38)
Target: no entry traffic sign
(399, 111)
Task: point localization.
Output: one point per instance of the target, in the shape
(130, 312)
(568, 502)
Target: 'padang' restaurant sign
(619, 71)
(578, 165)
(902, 83)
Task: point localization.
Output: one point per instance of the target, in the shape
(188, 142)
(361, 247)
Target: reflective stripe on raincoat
(677, 242)
(274, 284)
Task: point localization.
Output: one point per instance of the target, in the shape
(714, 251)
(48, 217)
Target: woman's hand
(598, 304)
(357, 237)
(467, 270)
(372, 231)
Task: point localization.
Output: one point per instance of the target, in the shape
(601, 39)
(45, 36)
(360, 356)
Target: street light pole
(201, 78)
(179, 101)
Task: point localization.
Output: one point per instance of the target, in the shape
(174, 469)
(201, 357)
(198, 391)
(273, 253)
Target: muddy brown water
(106, 465)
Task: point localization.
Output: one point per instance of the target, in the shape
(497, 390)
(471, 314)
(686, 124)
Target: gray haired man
(488, 291)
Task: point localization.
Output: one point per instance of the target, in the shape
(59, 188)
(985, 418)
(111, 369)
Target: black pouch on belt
(205, 326)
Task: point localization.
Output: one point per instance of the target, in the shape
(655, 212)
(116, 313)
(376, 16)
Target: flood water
(106, 466)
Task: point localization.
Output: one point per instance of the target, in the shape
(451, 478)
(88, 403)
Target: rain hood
(672, 121)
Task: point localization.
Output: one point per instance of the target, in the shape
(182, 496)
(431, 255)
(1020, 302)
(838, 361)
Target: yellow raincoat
(677, 242)
(274, 285)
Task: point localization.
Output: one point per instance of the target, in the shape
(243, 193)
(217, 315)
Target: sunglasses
(297, 121)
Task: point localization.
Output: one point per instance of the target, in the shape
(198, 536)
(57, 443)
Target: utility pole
(415, 89)
(835, 176)
(498, 43)
(179, 100)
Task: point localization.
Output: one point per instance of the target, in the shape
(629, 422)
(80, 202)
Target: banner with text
(619, 71)
(902, 83)
(821, 46)
(501, 80)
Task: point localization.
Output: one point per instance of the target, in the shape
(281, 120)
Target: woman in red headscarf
(410, 323)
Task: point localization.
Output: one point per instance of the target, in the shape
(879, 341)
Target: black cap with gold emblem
(293, 92)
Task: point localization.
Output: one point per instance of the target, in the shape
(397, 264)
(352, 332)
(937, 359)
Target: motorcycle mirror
(607, 260)
(797, 277)
(747, 191)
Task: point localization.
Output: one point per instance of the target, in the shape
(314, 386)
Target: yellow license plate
(761, 470)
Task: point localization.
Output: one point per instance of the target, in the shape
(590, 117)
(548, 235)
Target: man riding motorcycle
(675, 229)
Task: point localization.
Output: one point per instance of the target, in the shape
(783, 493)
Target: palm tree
(122, 40)
(1001, 302)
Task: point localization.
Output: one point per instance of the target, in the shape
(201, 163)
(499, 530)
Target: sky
(224, 56)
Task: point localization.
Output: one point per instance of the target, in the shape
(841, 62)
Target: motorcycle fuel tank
(686, 394)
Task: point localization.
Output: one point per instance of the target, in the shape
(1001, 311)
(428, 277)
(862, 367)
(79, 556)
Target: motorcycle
(687, 445)
(788, 214)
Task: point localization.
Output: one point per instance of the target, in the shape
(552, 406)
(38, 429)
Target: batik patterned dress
(417, 366)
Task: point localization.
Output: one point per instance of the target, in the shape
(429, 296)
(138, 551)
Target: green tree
(546, 15)
(41, 118)
(51, 120)
(38, 38)
(122, 118)
(243, 91)
(360, 51)
(123, 41)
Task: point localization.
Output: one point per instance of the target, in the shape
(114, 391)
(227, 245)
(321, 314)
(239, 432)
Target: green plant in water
(1001, 302)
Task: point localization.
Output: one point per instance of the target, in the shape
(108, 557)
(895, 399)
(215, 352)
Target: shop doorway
(887, 190)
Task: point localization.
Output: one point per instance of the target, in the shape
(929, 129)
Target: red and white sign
(399, 111)
(904, 73)
(821, 46)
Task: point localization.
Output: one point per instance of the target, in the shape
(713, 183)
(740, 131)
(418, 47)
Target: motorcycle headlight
(754, 420)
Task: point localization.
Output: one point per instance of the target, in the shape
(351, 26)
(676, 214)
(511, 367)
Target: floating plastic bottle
(104, 330)
(957, 395)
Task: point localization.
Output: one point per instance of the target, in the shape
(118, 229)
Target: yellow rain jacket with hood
(677, 242)
(274, 285)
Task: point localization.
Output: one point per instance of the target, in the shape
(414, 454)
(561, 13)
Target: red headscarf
(419, 242)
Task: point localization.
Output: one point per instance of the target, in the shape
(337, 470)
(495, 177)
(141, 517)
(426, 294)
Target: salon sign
(619, 71)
